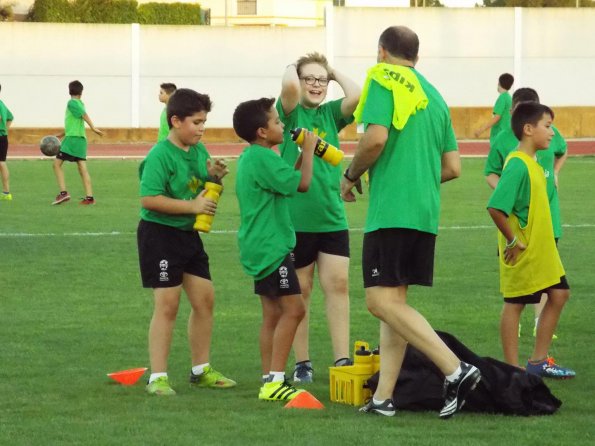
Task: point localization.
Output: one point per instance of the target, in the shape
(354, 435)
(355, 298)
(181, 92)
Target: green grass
(72, 310)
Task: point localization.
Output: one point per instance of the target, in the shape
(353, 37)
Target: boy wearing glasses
(322, 237)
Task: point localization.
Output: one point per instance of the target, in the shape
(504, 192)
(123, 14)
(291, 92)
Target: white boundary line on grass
(118, 233)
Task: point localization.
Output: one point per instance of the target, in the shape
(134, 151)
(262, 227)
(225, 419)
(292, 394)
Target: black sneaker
(343, 362)
(303, 373)
(456, 392)
(387, 408)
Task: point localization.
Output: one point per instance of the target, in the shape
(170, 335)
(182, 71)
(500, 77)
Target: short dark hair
(400, 42)
(75, 88)
(249, 116)
(506, 80)
(524, 94)
(168, 87)
(528, 113)
(185, 102)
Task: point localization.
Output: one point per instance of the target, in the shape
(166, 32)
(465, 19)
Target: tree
(425, 3)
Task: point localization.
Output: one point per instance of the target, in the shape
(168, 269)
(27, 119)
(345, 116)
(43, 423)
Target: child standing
(501, 112)
(6, 118)
(165, 91)
(74, 146)
(172, 256)
(529, 261)
(266, 236)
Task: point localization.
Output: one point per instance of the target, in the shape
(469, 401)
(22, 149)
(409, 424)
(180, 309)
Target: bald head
(400, 42)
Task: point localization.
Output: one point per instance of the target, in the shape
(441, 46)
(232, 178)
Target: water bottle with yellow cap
(204, 221)
(323, 149)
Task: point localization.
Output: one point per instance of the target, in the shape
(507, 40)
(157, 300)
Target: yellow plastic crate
(348, 384)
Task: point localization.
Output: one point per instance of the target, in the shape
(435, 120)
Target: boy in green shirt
(266, 236)
(171, 254)
(529, 261)
(318, 216)
(165, 91)
(74, 146)
(501, 113)
(6, 118)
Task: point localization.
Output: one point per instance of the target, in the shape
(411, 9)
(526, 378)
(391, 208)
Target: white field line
(129, 233)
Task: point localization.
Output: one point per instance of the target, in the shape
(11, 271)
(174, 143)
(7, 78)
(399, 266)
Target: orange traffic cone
(128, 377)
(304, 400)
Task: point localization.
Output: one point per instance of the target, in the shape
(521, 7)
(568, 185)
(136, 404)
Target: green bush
(169, 14)
(60, 11)
(106, 11)
(6, 13)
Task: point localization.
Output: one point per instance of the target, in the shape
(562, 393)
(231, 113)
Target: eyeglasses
(311, 80)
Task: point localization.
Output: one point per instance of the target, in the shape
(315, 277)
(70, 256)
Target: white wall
(463, 51)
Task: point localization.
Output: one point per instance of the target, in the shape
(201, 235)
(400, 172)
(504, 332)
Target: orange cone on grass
(304, 400)
(128, 377)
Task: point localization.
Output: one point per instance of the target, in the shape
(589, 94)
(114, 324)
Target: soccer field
(72, 310)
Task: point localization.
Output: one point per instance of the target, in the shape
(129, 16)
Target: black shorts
(398, 256)
(309, 244)
(535, 298)
(166, 253)
(66, 157)
(3, 147)
(281, 282)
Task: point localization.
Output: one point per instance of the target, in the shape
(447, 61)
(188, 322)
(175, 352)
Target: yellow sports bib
(539, 266)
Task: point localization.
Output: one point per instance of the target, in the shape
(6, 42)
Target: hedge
(169, 14)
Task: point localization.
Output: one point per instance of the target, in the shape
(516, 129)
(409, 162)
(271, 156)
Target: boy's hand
(204, 205)
(99, 132)
(511, 254)
(217, 169)
(310, 140)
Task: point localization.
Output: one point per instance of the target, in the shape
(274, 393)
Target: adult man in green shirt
(500, 119)
(409, 147)
(6, 118)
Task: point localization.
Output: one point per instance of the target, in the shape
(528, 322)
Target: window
(246, 7)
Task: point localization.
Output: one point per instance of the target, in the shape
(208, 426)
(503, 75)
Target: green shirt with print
(506, 142)
(502, 108)
(5, 116)
(321, 208)
(74, 125)
(513, 192)
(174, 173)
(263, 185)
(163, 126)
(405, 179)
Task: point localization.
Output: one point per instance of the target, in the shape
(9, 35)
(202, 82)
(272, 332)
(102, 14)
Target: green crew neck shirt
(502, 108)
(321, 208)
(264, 184)
(5, 116)
(74, 125)
(163, 126)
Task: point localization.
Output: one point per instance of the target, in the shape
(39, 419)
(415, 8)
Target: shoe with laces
(62, 197)
(87, 201)
(303, 373)
(386, 408)
(160, 387)
(6, 197)
(278, 391)
(211, 378)
(456, 392)
(549, 369)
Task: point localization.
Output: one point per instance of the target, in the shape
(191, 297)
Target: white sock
(199, 369)
(154, 376)
(452, 378)
(277, 376)
(377, 402)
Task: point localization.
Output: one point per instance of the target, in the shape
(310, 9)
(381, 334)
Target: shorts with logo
(281, 282)
(398, 256)
(535, 298)
(309, 244)
(166, 254)
(3, 147)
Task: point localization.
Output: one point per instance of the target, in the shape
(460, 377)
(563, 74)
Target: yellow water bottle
(323, 149)
(362, 357)
(203, 221)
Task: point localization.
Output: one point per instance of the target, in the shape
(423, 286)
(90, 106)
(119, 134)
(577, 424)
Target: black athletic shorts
(166, 253)
(3, 147)
(281, 282)
(66, 157)
(535, 298)
(309, 244)
(398, 256)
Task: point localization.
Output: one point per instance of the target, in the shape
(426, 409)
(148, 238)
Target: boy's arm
(305, 161)
(492, 180)
(558, 164)
(350, 88)
(513, 245)
(451, 166)
(173, 206)
(290, 89)
(87, 119)
(488, 125)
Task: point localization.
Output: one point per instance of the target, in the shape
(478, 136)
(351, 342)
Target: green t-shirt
(263, 184)
(74, 125)
(175, 173)
(163, 126)
(405, 179)
(321, 208)
(506, 142)
(502, 108)
(5, 116)
(513, 192)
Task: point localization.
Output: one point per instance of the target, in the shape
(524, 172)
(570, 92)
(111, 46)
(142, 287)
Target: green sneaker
(211, 378)
(278, 391)
(5, 196)
(160, 387)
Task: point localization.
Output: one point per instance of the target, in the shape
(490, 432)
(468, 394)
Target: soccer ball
(49, 145)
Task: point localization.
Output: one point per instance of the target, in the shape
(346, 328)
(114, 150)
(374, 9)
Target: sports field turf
(72, 310)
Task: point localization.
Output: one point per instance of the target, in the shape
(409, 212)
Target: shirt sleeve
(153, 176)
(340, 120)
(9, 116)
(560, 144)
(277, 176)
(500, 105)
(507, 191)
(76, 108)
(495, 161)
(450, 140)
